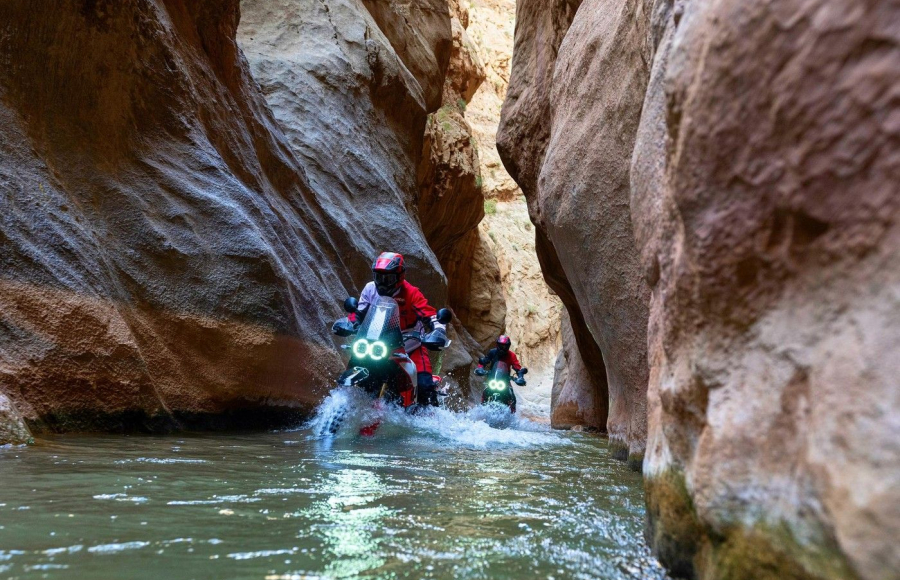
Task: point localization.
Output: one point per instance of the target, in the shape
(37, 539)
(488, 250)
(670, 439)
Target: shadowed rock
(174, 251)
(571, 157)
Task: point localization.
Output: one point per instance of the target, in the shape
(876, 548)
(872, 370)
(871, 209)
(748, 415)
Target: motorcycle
(379, 361)
(497, 388)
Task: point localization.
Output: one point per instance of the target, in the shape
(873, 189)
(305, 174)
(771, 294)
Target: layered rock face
(756, 146)
(765, 202)
(571, 156)
(175, 250)
(353, 99)
(450, 197)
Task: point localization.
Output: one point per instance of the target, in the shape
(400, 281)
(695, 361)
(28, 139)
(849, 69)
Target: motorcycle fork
(409, 395)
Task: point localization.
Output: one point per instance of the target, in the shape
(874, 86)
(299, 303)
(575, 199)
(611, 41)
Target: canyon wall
(749, 150)
(359, 106)
(571, 156)
(532, 313)
(450, 197)
(177, 238)
(765, 201)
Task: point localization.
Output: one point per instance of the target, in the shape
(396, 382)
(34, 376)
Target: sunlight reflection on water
(438, 496)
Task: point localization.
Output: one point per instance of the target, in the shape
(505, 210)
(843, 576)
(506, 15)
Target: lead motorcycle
(497, 388)
(379, 359)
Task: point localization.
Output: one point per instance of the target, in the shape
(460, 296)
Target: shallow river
(428, 497)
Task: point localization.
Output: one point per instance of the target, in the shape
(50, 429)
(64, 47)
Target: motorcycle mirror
(351, 305)
(444, 315)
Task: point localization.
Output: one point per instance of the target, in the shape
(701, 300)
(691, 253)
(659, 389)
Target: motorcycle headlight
(496, 385)
(361, 348)
(378, 350)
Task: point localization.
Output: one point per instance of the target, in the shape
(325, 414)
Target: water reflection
(347, 521)
(436, 498)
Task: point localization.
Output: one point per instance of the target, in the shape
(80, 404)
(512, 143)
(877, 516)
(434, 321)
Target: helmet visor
(386, 280)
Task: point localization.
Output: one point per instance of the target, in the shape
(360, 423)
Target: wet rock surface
(176, 244)
(13, 430)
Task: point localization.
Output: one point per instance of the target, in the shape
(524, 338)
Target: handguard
(344, 327)
(520, 379)
(436, 340)
(480, 371)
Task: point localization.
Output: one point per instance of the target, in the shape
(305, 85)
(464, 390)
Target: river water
(444, 496)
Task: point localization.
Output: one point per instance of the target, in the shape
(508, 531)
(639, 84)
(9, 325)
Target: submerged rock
(12, 427)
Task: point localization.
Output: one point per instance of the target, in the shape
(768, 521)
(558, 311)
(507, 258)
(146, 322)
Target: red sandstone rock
(764, 193)
(763, 201)
(173, 250)
(451, 204)
(571, 156)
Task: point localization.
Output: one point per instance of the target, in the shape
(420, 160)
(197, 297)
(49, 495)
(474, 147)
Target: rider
(415, 314)
(501, 352)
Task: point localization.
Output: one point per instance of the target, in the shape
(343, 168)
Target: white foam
(122, 497)
(215, 500)
(120, 547)
(67, 550)
(480, 427)
(348, 407)
(159, 461)
(261, 554)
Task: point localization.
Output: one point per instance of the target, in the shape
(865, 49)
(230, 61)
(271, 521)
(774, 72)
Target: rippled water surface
(430, 497)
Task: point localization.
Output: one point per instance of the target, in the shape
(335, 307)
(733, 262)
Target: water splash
(345, 410)
(342, 413)
(480, 427)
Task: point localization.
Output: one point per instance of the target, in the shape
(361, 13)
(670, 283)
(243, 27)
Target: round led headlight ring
(361, 348)
(378, 350)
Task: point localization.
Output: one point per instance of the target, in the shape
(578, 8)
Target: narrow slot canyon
(682, 214)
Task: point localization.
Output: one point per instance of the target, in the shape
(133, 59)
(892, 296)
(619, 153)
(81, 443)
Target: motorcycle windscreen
(382, 323)
(498, 378)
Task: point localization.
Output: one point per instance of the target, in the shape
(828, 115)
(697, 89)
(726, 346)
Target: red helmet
(388, 269)
(503, 343)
